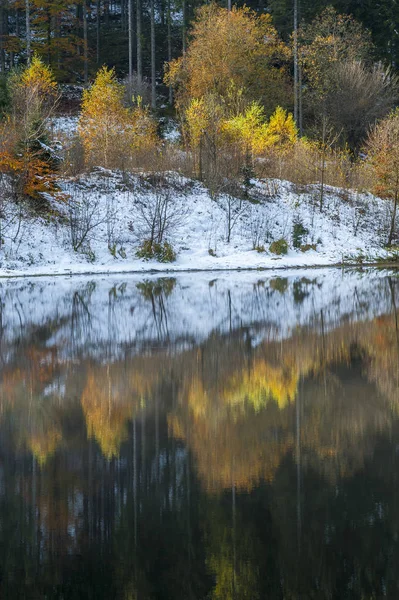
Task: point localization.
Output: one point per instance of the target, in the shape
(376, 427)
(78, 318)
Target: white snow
(349, 228)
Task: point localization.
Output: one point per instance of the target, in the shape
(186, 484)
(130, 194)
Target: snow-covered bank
(113, 207)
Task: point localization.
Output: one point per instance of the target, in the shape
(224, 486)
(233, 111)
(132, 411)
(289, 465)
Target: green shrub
(162, 252)
(298, 233)
(260, 249)
(279, 247)
(212, 252)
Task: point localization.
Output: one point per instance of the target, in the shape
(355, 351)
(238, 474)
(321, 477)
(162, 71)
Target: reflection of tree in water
(228, 470)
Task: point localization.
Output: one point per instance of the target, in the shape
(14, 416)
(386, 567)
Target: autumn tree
(342, 83)
(231, 48)
(34, 97)
(382, 150)
(110, 132)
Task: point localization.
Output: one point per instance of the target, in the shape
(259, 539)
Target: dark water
(204, 437)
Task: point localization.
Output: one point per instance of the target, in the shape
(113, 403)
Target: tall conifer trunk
(85, 44)
(28, 32)
(153, 71)
(139, 45)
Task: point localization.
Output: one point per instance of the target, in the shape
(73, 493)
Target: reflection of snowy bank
(112, 315)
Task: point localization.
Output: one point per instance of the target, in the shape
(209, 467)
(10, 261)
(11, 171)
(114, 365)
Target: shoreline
(380, 265)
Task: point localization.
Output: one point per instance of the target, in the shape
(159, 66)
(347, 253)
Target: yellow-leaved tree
(231, 47)
(111, 132)
(34, 98)
(282, 131)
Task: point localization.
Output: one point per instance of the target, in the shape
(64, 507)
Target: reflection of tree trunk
(143, 452)
(233, 508)
(135, 481)
(395, 204)
(298, 469)
(395, 312)
(189, 540)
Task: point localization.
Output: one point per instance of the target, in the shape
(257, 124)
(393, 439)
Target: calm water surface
(200, 437)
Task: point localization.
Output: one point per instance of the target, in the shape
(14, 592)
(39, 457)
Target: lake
(200, 436)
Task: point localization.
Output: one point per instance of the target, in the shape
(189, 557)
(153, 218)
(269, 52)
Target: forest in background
(66, 34)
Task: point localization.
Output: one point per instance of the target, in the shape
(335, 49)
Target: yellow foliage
(249, 130)
(281, 129)
(230, 47)
(40, 77)
(203, 116)
(106, 127)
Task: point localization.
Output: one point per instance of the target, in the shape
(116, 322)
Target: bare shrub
(159, 215)
(84, 217)
(259, 228)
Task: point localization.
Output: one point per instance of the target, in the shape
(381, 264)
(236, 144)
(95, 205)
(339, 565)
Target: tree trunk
(184, 25)
(98, 30)
(3, 17)
(28, 33)
(170, 48)
(139, 46)
(85, 45)
(48, 16)
(153, 71)
(130, 32)
(295, 40)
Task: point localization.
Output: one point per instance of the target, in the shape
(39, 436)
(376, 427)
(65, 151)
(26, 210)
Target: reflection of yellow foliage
(109, 400)
(105, 413)
(233, 582)
(197, 399)
(43, 444)
(262, 383)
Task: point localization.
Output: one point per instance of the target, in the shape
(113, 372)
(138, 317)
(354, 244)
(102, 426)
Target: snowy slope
(349, 227)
